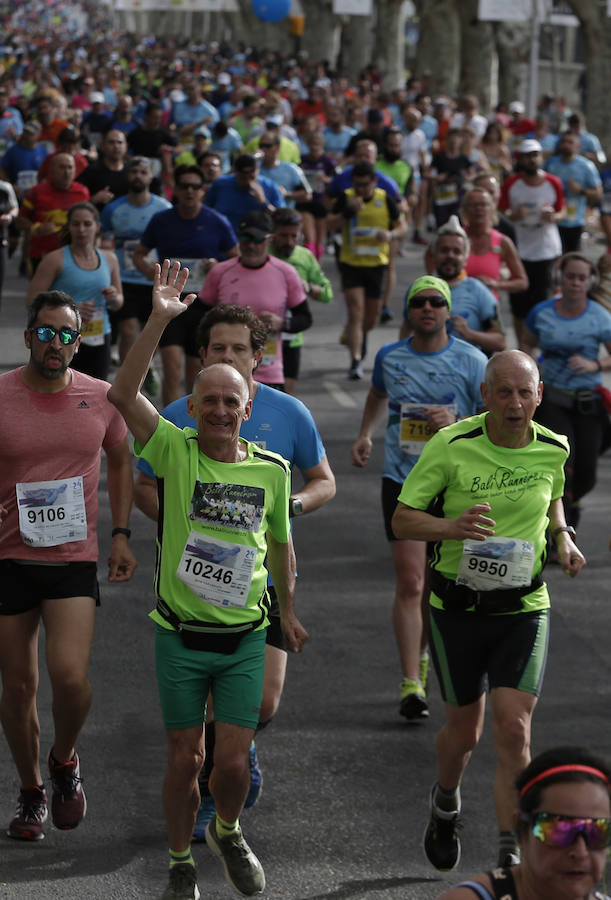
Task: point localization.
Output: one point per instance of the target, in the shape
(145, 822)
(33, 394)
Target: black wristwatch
(126, 531)
(569, 530)
(295, 507)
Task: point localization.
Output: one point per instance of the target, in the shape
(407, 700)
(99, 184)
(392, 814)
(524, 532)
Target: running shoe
(441, 841)
(256, 777)
(387, 315)
(355, 372)
(30, 815)
(413, 700)
(182, 884)
(68, 804)
(205, 814)
(243, 870)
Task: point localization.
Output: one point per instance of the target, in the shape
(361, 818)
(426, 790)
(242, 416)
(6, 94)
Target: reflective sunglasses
(249, 239)
(563, 831)
(45, 334)
(418, 302)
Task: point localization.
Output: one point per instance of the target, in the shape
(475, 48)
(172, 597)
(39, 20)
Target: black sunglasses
(419, 302)
(45, 334)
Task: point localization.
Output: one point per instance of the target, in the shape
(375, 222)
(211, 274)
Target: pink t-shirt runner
(274, 286)
(50, 437)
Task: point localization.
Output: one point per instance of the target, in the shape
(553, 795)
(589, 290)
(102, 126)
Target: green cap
(430, 283)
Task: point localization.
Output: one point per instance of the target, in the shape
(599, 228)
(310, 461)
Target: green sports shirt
(461, 467)
(213, 519)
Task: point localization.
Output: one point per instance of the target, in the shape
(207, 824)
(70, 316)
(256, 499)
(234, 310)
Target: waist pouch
(459, 597)
(585, 402)
(208, 636)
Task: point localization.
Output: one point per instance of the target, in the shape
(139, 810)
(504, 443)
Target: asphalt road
(346, 780)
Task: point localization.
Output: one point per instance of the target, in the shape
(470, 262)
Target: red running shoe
(68, 804)
(30, 816)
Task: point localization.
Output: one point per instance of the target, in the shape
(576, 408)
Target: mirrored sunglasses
(563, 831)
(45, 334)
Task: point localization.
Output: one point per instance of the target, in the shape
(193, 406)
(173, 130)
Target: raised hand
(169, 282)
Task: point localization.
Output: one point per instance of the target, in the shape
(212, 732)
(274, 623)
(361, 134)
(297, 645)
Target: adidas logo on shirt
(83, 405)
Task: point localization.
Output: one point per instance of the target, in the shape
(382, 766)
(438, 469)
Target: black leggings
(585, 434)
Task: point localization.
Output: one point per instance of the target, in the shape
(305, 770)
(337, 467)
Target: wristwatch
(568, 528)
(295, 507)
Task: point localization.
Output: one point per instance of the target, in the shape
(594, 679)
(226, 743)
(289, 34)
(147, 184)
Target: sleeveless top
(488, 263)
(85, 284)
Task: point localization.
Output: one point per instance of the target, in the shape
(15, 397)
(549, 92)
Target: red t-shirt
(43, 203)
(50, 437)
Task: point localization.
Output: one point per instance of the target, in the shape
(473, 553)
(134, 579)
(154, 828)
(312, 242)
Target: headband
(430, 283)
(557, 770)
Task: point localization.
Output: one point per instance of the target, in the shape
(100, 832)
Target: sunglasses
(420, 302)
(249, 239)
(186, 185)
(563, 831)
(45, 334)
(266, 146)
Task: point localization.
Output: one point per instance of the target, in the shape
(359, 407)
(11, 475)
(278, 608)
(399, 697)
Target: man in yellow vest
(369, 219)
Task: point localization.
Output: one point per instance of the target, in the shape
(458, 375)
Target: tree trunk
(513, 40)
(597, 34)
(389, 43)
(476, 54)
(355, 46)
(439, 40)
(319, 36)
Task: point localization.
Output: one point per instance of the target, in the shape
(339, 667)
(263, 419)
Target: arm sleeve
(301, 318)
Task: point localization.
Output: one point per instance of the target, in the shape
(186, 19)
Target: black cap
(244, 162)
(257, 224)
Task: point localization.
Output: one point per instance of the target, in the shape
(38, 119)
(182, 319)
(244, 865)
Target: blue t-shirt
(184, 113)
(450, 376)
(560, 338)
(127, 222)
(472, 300)
(335, 143)
(287, 175)
(278, 422)
(583, 171)
(343, 180)
(208, 235)
(19, 159)
(227, 197)
(227, 147)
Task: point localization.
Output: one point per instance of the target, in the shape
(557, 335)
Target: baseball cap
(97, 97)
(430, 283)
(257, 224)
(374, 116)
(275, 119)
(223, 78)
(530, 145)
(32, 128)
(201, 129)
(517, 107)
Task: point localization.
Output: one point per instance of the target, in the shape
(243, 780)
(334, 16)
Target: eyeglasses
(251, 239)
(419, 302)
(45, 334)
(563, 831)
(189, 185)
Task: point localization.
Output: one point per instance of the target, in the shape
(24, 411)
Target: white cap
(97, 97)
(530, 146)
(516, 106)
(224, 78)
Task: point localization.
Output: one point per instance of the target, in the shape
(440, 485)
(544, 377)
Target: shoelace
(31, 807)
(65, 781)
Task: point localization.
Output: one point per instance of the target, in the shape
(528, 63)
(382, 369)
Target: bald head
(511, 361)
(220, 375)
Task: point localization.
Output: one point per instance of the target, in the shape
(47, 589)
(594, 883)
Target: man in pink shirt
(270, 287)
(55, 423)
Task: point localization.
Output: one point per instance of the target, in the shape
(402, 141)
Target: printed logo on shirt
(83, 405)
(510, 482)
(236, 506)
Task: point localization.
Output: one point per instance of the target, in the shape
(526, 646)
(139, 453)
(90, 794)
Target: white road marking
(339, 395)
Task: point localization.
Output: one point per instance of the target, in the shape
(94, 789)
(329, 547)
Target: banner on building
(352, 7)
